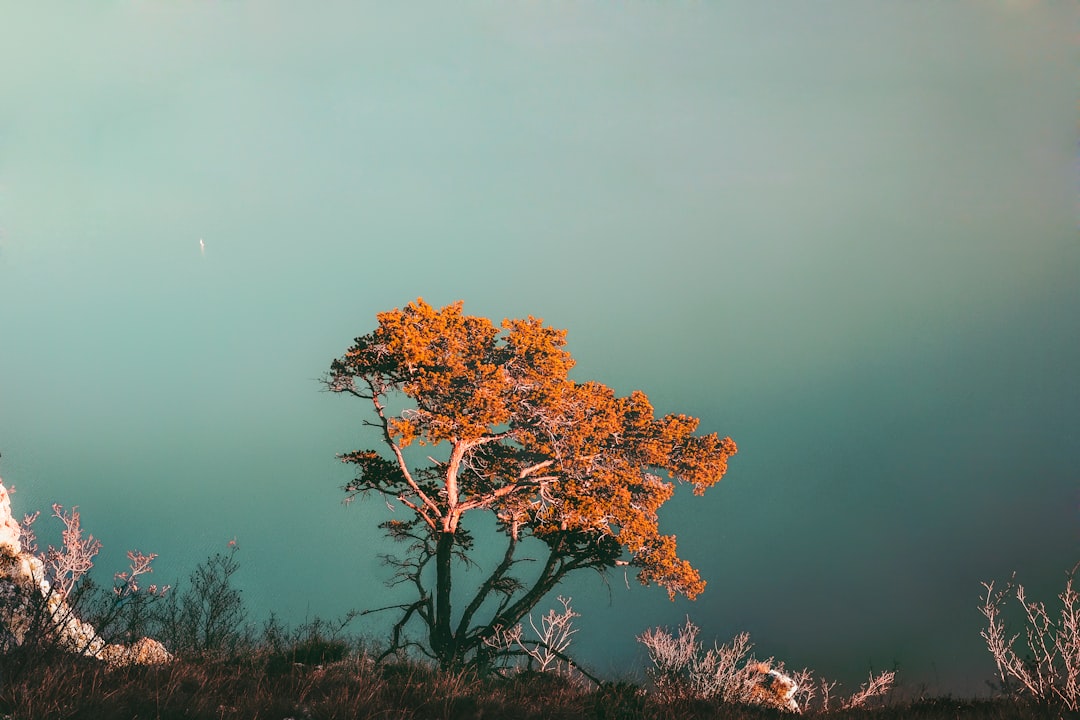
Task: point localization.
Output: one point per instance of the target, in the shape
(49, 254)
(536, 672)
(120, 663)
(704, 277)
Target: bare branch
(877, 685)
(1051, 670)
(389, 440)
(75, 557)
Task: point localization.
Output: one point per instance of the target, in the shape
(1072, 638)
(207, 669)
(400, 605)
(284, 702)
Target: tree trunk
(442, 639)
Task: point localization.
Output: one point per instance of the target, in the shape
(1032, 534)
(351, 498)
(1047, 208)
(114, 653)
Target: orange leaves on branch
(533, 358)
(404, 431)
(446, 361)
(659, 564)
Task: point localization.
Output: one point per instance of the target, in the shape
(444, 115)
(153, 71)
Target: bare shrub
(315, 642)
(26, 529)
(67, 592)
(547, 652)
(876, 686)
(821, 694)
(128, 612)
(51, 611)
(555, 632)
(75, 557)
(1050, 673)
(208, 616)
(682, 668)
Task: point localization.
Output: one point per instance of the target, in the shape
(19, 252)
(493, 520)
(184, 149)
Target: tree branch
(428, 502)
(550, 575)
(488, 585)
(532, 484)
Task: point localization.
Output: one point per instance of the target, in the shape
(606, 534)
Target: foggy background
(842, 233)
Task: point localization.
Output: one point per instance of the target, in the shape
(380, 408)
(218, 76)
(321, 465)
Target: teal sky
(844, 233)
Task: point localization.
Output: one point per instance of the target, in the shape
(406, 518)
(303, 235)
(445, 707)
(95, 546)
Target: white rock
(773, 688)
(10, 531)
(23, 589)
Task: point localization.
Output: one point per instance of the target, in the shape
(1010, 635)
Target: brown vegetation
(258, 686)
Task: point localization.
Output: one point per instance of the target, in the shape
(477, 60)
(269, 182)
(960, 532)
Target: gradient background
(843, 233)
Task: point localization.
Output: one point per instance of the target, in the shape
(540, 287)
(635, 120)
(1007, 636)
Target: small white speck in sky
(202, 247)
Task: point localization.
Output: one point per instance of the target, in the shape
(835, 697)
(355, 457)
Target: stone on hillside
(145, 651)
(26, 599)
(773, 688)
(9, 528)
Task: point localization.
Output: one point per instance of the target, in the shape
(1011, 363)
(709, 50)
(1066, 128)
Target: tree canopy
(567, 463)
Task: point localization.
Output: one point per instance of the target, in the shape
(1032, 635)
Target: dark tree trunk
(442, 638)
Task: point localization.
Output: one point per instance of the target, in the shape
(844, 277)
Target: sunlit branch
(488, 498)
(451, 483)
(428, 502)
(536, 483)
(533, 468)
(422, 512)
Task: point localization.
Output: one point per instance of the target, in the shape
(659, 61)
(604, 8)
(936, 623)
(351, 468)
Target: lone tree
(565, 463)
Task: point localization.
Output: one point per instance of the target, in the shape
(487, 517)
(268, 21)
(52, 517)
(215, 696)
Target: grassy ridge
(269, 684)
(223, 668)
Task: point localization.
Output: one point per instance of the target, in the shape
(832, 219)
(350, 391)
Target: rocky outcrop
(773, 688)
(9, 529)
(145, 651)
(30, 606)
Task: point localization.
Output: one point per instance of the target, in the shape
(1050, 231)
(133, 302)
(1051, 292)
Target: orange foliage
(562, 460)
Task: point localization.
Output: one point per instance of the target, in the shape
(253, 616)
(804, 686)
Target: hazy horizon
(844, 234)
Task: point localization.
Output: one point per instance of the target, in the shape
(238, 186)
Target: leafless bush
(555, 632)
(876, 686)
(67, 590)
(50, 607)
(682, 668)
(26, 531)
(128, 611)
(209, 616)
(75, 556)
(820, 694)
(1051, 671)
(547, 653)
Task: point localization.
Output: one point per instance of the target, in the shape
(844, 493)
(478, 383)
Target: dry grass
(266, 684)
(223, 672)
